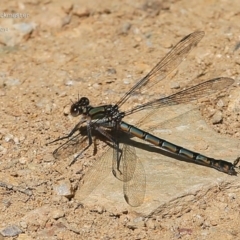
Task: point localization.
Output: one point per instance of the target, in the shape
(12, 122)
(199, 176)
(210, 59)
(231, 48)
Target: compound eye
(75, 110)
(84, 101)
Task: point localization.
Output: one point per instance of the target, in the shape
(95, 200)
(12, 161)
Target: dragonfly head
(79, 107)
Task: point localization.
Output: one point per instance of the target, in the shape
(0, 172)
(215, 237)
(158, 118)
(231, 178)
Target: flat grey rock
(172, 184)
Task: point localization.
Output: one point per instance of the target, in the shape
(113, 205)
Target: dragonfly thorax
(115, 114)
(79, 107)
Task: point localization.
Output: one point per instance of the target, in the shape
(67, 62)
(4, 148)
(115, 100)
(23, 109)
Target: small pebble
(175, 85)
(66, 110)
(6, 202)
(22, 160)
(57, 213)
(111, 71)
(220, 103)
(81, 11)
(232, 195)
(126, 81)
(217, 117)
(24, 236)
(96, 85)
(46, 125)
(62, 94)
(23, 224)
(56, 199)
(16, 140)
(12, 82)
(69, 82)
(150, 224)
(64, 188)
(24, 28)
(136, 223)
(11, 231)
(48, 108)
(8, 137)
(199, 220)
(234, 104)
(66, 20)
(67, 7)
(125, 28)
(213, 222)
(100, 209)
(79, 79)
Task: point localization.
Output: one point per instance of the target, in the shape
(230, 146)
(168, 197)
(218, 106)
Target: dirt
(53, 53)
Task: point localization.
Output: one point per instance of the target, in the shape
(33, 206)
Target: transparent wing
(193, 93)
(134, 186)
(96, 174)
(71, 146)
(153, 124)
(118, 165)
(165, 66)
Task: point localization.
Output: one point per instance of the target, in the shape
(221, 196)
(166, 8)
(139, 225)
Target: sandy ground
(53, 52)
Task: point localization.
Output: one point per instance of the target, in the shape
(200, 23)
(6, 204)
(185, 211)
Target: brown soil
(99, 49)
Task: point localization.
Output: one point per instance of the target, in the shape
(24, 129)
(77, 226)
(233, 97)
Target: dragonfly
(126, 166)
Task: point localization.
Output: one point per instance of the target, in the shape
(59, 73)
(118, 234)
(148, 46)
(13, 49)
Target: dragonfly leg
(117, 154)
(79, 154)
(76, 128)
(235, 163)
(69, 140)
(89, 134)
